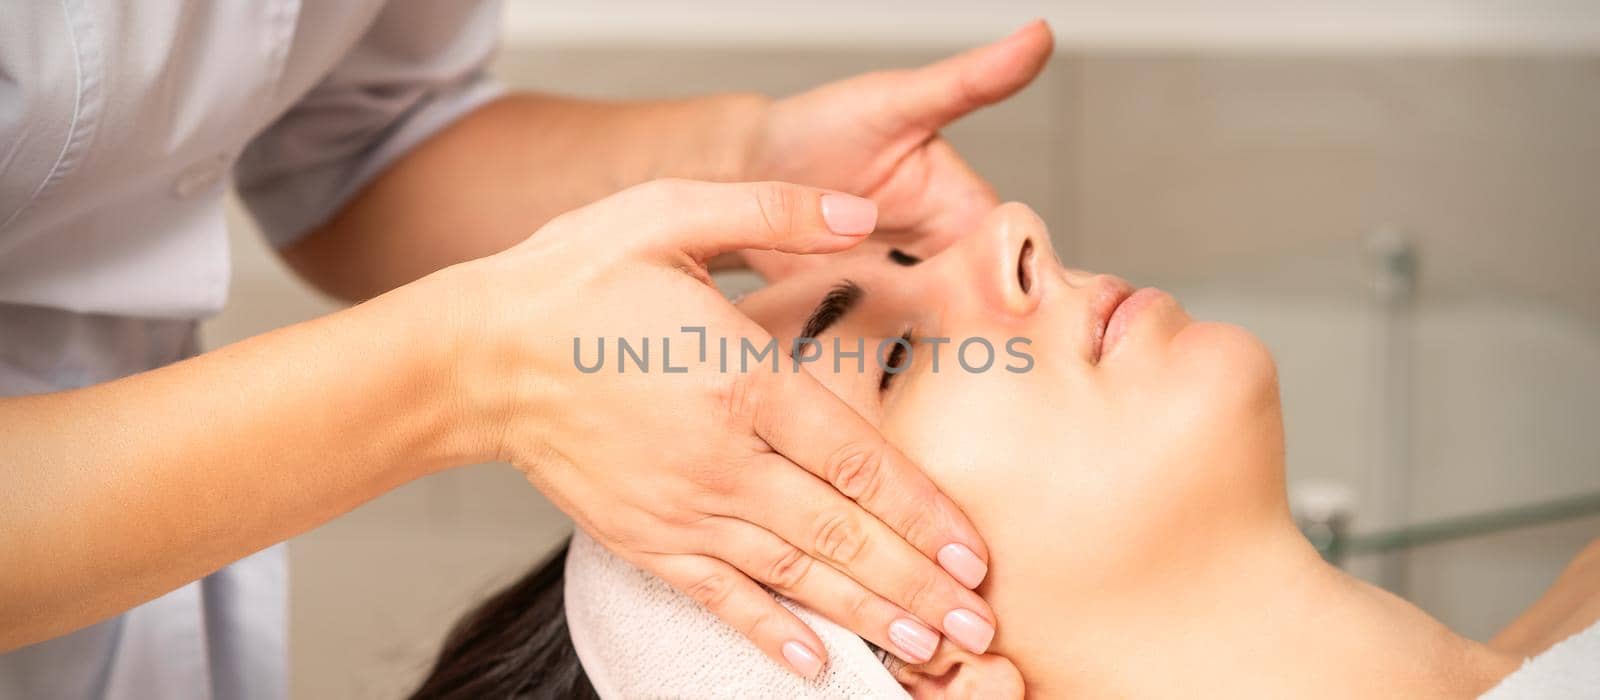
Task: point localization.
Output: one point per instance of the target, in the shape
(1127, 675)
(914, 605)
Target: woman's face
(1118, 459)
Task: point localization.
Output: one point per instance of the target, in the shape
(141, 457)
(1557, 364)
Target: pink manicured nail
(964, 627)
(915, 641)
(849, 216)
(963, 564)
(801, 658)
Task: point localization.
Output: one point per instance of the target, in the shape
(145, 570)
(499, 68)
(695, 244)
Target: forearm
(1570, 605)
(117, 493)
(503, 171)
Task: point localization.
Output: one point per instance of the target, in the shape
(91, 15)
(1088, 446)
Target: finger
(745, 606)
(934, 95)
(810, 426)
(788, 570)
(832, 529)
(948, 203)
(773, 265)
(705, 219)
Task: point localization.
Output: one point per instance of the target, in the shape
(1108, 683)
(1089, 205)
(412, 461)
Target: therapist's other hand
(877, 135)
(716, 481)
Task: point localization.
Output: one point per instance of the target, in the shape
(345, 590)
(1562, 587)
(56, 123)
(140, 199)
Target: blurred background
(1401, 198)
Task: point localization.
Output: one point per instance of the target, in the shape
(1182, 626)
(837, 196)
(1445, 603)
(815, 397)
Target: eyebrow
(839, 300)
(843, 297)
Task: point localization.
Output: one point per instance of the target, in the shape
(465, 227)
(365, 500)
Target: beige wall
(1437, 25)
(1247, 182)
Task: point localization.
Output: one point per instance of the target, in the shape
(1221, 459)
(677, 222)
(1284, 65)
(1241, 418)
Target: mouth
(1109, 295)
(1122, 317)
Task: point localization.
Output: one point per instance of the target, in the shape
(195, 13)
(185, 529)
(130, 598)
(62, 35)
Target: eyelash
(902, 258)
(896, 356)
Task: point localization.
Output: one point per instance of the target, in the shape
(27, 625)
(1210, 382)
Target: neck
(1275, 621)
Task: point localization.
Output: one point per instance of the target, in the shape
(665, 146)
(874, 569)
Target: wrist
(736, 124)
(434, 321)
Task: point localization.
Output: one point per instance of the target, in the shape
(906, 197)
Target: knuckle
(768, 624)
(677, 513)
(840, 539)
(860, 609)
(654, 195)
(971, 93)
(712, 591)
(737, 394)
(626, 532)
(857, 470)
(919, 525)
(716, 480)
(788, 571)
(779, 205)
(711, 476)
(564, 220)
(920, 593)
(658, 188)
(569, 225)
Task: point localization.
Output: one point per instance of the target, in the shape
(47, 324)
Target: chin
(1229, 365)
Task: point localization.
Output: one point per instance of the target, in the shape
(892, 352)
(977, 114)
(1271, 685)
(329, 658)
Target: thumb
(936, 94)
(706, 219)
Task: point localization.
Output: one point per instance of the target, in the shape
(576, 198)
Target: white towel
(1568, 670)
(638, 637)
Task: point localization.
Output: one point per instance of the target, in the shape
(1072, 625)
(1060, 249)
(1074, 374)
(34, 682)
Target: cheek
(1106, 476)
(942, 423)
(1022, 455)
(981, 450)
(978, 436)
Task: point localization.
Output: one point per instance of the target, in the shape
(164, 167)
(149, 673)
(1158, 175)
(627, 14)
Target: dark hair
(513, 645)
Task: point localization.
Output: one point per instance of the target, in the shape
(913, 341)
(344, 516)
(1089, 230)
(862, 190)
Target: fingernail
(963, 564)
(801, 658)
(915, 641)
(849, 216)
(964, 627)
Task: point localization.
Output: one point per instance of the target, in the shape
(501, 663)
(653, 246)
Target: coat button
(201, 175)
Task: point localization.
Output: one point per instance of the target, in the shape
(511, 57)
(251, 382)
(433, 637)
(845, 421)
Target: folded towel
(1570, 669)
(638, 637)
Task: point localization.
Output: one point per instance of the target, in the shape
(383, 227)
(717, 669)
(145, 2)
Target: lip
(1110, 293)
(1123, 316)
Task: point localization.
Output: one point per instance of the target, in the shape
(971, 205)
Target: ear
(959, 674)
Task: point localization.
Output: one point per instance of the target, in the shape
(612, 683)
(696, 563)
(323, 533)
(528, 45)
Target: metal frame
(1336, 544)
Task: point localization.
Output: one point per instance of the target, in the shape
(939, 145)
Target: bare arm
(503, 171)
(114, 494)
(1571, 605)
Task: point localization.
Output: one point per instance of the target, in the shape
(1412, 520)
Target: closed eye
(896, 362)
(902, 258)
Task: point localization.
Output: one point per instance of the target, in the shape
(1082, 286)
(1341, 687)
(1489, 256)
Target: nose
(1011, 257)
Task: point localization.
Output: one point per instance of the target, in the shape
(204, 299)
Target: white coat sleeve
(420, 66)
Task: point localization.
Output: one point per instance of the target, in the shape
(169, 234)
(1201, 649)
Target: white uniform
(122, 125)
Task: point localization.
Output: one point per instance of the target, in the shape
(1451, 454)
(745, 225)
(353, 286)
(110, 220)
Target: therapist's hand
(716, 481)
(877, 135)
